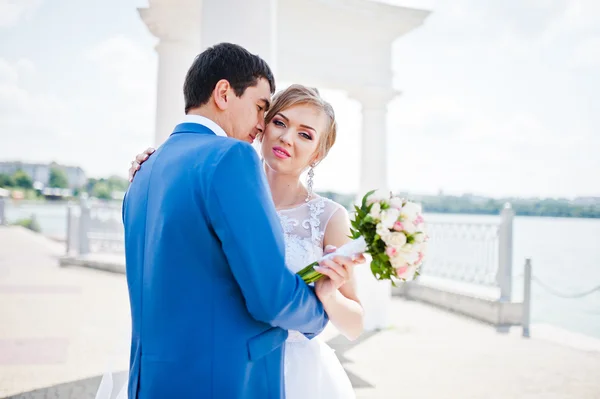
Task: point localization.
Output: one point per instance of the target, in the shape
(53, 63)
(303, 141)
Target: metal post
(84, 226)
(527, 298)
(2, 211)
(69, 229)
(504, 276)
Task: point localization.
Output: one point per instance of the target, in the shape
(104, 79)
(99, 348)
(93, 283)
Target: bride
(300, 129)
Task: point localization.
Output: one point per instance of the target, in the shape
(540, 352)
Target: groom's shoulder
(228, 150)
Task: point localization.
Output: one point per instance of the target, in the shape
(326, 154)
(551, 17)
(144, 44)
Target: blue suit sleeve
(244, 218)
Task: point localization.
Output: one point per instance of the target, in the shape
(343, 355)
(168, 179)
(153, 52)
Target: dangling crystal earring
(311, 175)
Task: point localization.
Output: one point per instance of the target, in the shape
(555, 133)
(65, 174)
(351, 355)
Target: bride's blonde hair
(298, 94)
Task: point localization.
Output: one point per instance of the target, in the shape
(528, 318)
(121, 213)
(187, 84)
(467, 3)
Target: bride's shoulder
(331, 205)
(336, 223)
(333, 212)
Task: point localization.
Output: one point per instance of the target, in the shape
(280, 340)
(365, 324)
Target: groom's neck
(209, 113)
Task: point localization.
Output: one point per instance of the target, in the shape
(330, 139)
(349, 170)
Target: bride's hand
(138, 161)
(337, 272)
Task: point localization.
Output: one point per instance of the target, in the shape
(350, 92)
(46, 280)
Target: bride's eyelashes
(280, 123)
(306, 135)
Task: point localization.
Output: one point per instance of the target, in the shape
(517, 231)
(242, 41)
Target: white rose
(396, 202)
(398, 261)
(396, 240)
(410, 253)
(409, 226)
(409, 211)
(381, 230)
(389, 217)
(419, 238)
(375, 211)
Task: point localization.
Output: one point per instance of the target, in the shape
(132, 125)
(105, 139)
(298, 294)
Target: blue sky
(498, 98)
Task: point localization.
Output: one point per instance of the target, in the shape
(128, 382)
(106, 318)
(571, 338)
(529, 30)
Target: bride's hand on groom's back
(138, 161)
(337, 272)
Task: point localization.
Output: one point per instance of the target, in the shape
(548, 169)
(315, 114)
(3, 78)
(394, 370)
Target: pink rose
(398, 226)
(391, 251)
(401, 270)
(418, 220)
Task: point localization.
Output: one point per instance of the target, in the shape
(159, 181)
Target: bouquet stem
(309, 274)
(354, 247)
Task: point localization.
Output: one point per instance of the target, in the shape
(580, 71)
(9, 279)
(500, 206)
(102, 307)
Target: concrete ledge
(106, 262)
(479, 303)
(481, 308)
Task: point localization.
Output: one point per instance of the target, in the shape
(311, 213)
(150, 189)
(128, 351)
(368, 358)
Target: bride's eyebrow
(283, 116)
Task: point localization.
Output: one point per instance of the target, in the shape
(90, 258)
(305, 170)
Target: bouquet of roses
(392, 231)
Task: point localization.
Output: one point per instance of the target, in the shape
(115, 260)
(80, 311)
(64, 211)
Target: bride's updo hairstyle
(297, 94)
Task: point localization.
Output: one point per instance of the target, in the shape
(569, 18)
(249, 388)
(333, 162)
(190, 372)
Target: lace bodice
(304, 228)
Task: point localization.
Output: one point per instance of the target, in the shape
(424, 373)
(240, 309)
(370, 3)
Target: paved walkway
(60, 328)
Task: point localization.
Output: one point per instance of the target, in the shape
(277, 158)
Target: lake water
(565, 255)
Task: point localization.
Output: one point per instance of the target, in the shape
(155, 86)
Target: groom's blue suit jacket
(211, 297)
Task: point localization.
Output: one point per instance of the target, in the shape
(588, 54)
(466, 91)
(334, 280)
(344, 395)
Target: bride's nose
(286, 137)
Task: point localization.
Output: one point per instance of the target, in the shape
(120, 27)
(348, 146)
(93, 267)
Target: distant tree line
(19, 179)
(489, 206)
(102, 188)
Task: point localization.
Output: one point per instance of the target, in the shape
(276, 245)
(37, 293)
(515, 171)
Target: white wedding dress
(311, 368)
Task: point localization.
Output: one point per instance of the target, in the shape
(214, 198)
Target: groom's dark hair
(228, 61)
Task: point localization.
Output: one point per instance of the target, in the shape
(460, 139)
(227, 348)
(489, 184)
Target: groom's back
(189, 321)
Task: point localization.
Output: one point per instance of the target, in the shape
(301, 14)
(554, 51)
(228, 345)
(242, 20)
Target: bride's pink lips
(281, 153)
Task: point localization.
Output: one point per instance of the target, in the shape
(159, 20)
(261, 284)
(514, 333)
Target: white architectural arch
(330, 44)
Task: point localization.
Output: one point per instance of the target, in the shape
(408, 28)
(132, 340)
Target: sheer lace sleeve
(304, 228)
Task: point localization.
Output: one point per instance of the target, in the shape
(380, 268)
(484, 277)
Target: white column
(374, 295)
(373, 163)
(176, 23)
(251, 24)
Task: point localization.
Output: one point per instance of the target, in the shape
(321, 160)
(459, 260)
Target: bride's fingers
(329, 272)
(358, 259)
(329, 249)
(345, 261)
(134, 168)
(140, 158)
(339, 269)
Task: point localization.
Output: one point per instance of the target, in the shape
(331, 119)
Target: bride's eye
(279, 123)
(306, 135)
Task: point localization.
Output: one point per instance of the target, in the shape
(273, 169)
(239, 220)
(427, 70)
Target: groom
(211, 297)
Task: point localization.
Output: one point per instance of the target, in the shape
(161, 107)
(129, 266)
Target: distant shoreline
(476, 213)
(436, 204)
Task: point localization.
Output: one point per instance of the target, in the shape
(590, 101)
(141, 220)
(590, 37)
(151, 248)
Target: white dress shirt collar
(218, 130)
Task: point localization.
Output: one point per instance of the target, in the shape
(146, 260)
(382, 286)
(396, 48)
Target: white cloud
(13, 11)
(33, 117)
(126, 101)
(491, 103)
(586, 53)
(101, 128)
(126, 63)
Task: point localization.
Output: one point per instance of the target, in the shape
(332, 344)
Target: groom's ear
(221, 94)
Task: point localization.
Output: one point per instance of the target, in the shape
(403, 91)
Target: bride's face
(291, 139)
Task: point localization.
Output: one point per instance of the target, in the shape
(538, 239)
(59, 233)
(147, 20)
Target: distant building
(40, 173)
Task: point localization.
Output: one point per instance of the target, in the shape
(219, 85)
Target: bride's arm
(344, 308)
